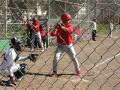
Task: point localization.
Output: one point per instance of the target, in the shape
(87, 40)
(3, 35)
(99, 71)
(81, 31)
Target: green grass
(102, 28)
(4, 44)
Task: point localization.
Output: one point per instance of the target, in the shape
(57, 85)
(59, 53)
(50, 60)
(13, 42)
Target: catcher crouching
(9, 67)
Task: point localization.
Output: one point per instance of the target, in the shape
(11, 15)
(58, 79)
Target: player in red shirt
(36, 34)
(44, 36)
(63, 33)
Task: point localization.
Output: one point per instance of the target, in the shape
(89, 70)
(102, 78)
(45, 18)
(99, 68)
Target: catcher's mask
(15, 43)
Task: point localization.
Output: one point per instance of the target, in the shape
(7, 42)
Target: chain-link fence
(99, 60)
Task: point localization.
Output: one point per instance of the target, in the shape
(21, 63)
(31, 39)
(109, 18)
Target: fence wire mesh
(99, 59)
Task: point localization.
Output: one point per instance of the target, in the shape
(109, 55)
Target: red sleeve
(69, 28)
(53, 33)
(36, 27)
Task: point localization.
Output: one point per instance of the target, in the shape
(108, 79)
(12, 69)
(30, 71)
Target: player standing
(36, 34)
(94, 28)
(63, 33)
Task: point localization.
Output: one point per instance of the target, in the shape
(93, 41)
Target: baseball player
(33, 32)
(36, 34)
(111, 28)
(94, 28)
(9, 66)
(63, 33)
(44, 36)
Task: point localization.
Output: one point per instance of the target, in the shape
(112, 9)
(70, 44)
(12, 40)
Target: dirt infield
(100, 66)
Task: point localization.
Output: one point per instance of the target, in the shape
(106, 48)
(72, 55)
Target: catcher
(9, 67)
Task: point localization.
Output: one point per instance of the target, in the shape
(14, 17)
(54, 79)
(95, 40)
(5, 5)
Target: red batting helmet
(66, 17)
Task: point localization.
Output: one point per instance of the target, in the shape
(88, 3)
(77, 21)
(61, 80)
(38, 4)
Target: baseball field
(100, 68)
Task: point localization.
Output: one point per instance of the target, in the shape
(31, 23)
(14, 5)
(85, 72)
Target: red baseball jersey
(36, 25)
(43, 33)
(63, 37)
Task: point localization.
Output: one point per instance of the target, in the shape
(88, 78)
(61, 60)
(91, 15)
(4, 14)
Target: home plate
(78, 80)
(74, 80)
